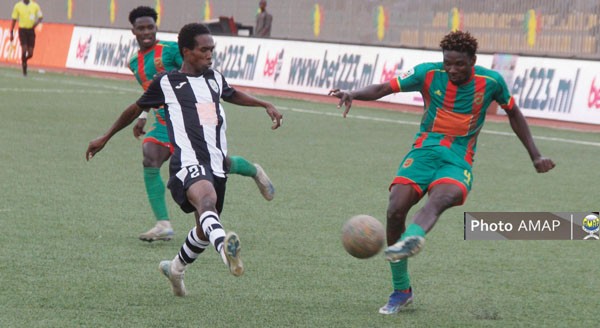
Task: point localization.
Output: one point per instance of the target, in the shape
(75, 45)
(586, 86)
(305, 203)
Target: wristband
(143, 115)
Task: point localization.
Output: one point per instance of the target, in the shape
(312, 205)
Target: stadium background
(554, 28)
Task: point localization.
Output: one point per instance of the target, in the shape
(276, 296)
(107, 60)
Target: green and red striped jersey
(454, 114)
(145, 65)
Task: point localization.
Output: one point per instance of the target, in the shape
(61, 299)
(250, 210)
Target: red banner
(51, 44)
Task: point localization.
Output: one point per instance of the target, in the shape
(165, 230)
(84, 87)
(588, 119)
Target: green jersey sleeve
(171, 56)
(502, 96)
(412, 79)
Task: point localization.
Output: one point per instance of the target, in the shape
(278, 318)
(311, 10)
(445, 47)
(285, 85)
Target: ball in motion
(363, 236)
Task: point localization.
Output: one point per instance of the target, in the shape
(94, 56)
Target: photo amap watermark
(531, 225)
(591, 225)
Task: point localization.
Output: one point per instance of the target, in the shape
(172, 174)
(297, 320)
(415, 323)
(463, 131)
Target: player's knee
(207, 204)
(396, 213)
(150, 161)
(442, 201)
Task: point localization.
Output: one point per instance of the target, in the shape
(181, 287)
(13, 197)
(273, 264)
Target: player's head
(262, 4)
(143, 22)
(459, 49)
(196, 46)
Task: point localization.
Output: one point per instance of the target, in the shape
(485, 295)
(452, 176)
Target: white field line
(377, 119)
(68, 91)
(306, 111)
(56, 81)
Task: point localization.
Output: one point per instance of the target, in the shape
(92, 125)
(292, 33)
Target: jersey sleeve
(131, 63)
(177, 58)
(410, 80)
(153, 97)
(15, 12)
(502, 96)
(228, 91)
(173, 59)
(39, 12)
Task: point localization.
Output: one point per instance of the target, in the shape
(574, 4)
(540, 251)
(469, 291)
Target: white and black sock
(192, 247)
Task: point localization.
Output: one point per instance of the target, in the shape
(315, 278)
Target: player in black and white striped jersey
(196, 124)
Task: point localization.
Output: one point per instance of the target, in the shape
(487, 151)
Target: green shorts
(423, 168)
(158, 133)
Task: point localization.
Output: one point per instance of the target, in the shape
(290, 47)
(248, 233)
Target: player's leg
(231, 248)
(155, 154)
(174, 270)
(199, 197)
(205, 197)
(402, 198)
(241, 166)
(30, 43)
(24, 39)
(449, 186)
(413, 177)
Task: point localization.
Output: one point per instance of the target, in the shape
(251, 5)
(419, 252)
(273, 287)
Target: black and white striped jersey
(195, 118)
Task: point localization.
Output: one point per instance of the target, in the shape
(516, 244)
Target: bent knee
(446, 198)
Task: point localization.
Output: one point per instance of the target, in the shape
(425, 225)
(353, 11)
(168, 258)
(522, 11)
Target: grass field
(70, 257)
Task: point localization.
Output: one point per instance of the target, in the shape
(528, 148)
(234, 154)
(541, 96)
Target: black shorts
(180, 181)
(27, 37)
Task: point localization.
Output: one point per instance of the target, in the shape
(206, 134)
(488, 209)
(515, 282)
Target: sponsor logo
(594, 95)
(83, 48)
(406, 74)
(234, 62)
(181, 85)
(546, 89)
(273, 65)
(344, 71)
(392, 72)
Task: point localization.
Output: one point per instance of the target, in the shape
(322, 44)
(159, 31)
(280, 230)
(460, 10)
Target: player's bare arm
(521, 128)
(128, 115)
(371, 92)
(243, 99)
(12, 27)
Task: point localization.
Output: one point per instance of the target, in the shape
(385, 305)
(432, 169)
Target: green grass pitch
(70, 257)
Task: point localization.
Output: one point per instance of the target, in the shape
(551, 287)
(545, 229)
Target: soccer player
(456, 94)
(196, 124)
(155, 57)
(29, 15)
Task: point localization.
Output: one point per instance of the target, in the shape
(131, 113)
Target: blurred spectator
(263, 20)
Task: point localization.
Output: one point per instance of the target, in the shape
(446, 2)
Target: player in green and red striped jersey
(456, 96)
(154, 57)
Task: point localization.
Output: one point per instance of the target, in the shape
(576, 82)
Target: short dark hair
(459, 41)
(187, 35)
(142, 11)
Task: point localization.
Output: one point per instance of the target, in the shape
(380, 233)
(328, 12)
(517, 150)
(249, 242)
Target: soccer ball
(363, 236)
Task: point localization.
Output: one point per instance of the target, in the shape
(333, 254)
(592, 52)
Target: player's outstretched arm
(370, 92)
(128, 115)
(243, 99)
(521, 129)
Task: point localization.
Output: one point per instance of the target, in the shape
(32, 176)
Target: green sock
(155, 189)
(413, 230)
(400, 277)
(241, 166)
